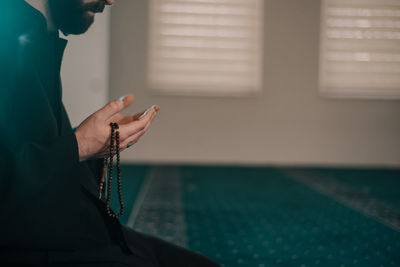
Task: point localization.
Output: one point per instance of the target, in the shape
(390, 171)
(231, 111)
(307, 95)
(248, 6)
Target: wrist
(81, 146)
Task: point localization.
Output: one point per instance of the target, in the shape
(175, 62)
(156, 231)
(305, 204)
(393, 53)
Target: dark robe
(45, 192)
(40, 181)
(49, 208)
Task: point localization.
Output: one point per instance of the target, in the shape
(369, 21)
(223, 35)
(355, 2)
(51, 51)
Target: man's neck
(43, 7)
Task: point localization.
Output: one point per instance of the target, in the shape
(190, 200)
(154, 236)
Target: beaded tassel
(109, 161)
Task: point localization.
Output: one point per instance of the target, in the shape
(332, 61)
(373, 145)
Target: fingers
(117, 118)
(125, 119)
(145, 123)
(115, 106)
(143, 113)
(137, 116)
(132, 128)
(128, 99)
(134, 138)
(153, 107)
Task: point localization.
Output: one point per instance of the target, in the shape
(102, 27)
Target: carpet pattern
(265, 216)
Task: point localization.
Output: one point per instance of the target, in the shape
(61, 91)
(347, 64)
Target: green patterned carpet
(253, 216)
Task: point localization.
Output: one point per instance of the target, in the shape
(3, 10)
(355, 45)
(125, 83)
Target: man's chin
(77, 26)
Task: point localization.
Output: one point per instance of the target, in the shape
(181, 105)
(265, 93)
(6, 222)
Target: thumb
(116, 106)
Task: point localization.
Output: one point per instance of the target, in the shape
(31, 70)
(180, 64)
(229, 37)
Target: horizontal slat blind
(205, 47)
(360, 48)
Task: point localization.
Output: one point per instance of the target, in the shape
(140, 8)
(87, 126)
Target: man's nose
(109, 2)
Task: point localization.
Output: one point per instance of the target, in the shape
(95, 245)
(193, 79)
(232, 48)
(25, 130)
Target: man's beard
(73, 16)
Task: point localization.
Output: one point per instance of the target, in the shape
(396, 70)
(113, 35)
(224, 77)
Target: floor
(269, 216)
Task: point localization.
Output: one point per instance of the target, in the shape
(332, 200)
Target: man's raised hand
(93, 134)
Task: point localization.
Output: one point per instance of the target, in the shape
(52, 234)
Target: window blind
(360, 48)
(205, 47)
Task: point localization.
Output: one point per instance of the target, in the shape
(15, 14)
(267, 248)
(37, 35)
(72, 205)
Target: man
(50, 211)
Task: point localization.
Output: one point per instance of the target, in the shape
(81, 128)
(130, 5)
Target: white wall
(289, 123)
(85, 70)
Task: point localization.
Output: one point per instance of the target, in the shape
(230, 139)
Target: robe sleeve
(39, 181)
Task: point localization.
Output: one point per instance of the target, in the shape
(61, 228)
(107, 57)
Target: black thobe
(49, 210)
